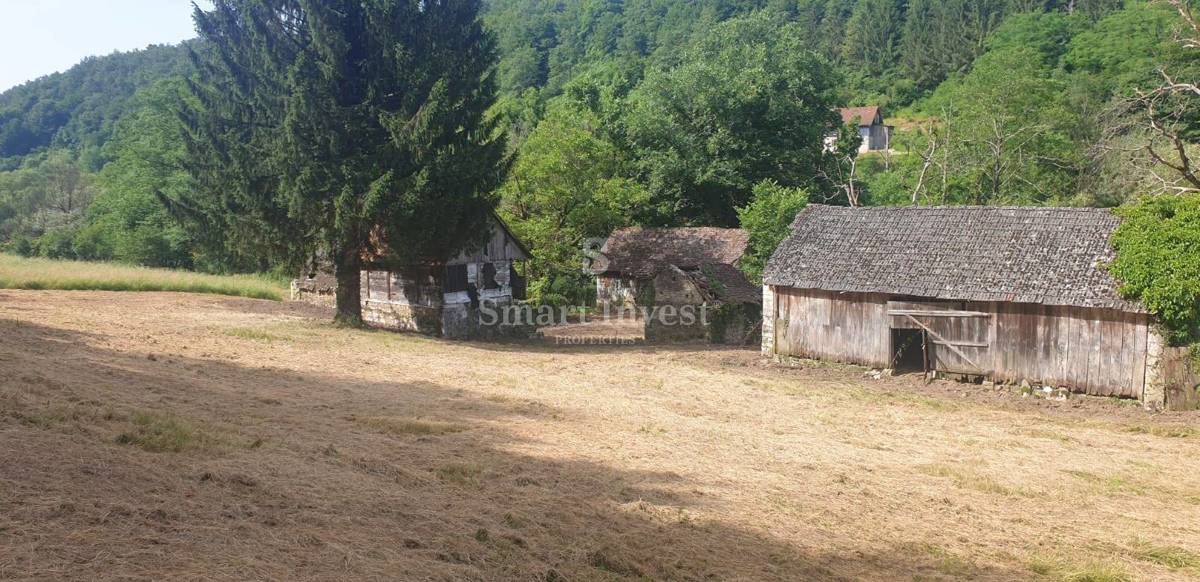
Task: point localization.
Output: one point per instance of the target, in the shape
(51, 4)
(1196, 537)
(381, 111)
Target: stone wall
(663, 324)
(316, 298)
(616, 291)
(768, 321)
(402, 317)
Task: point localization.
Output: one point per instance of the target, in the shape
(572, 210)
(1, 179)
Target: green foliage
(943, 37)
(359, 127)
(1120, 52)
(1011, 126)
(748, 102)
(1158, 261)
(767, 218)
(567, 185)
(873, 36)
(127, 222)
(79, 108)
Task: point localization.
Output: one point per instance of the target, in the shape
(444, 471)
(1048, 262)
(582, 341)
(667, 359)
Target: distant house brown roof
(1052, 256)
(865, 115)
(641, 252)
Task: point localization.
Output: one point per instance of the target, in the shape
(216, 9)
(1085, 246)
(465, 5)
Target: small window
(489, 276)
(456, 278)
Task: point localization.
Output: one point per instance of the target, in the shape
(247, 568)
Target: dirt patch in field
(150, 436)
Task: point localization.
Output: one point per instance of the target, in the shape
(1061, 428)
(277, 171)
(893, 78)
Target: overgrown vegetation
(1158, 261)
(37, 273)
(767, 219)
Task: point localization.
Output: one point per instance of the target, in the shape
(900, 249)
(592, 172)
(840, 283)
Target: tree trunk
(347, 267)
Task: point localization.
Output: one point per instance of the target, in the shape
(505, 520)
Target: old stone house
(1003, 294)
(675, 267)
(443, 299)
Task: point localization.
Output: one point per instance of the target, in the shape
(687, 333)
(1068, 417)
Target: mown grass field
(37, 273)
(149, 436)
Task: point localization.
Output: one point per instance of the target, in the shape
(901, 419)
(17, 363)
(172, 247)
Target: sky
(39, 37)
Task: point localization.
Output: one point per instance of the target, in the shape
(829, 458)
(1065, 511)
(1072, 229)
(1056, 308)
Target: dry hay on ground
(151, 436)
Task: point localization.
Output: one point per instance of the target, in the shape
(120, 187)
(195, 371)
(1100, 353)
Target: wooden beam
(962, 344)
(935, 313)
(945, 342)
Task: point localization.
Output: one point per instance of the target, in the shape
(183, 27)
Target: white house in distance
(875, 135)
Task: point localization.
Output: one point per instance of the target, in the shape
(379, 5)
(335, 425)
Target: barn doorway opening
(908, 351)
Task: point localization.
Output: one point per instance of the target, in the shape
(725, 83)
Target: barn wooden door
(959, 339)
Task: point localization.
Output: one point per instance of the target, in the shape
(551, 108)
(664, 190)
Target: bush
(21, 246)
(768, 218)
(1158, 261)
(57, 243)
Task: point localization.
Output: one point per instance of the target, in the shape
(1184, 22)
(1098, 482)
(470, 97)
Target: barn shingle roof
(1052, 256)
(641, 252)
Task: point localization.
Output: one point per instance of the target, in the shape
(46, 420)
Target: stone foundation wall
(466, 321)
(316, 298)
(401, 317)
(665, 326)
(768, 321)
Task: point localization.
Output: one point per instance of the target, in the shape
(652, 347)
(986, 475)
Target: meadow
(38, 273)
(185, 436)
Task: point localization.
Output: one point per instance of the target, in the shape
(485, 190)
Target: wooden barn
(1005, 294)
(437, 299)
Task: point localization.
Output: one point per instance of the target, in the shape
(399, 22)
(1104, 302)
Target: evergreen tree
(355, 125)
(873, 36)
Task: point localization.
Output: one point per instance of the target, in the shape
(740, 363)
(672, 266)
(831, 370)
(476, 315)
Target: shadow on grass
(328, 496)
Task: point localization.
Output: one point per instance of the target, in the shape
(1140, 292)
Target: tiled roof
(725, 283)
(1052, 256)
(865, 115)
(640, 252)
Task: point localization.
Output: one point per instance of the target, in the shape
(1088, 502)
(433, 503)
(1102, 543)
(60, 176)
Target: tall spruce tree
(354, 125)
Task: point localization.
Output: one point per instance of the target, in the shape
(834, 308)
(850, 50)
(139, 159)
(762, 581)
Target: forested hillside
(683, 112)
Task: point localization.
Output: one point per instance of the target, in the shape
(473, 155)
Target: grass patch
(461, 474)
(58, 414)
(36, 273)
(942, 560)
(163, 433)
(1173, 557)
(1174, 431)
(1107, 484)
(1041, 433)
(403, 426)
(1065, 570)
(967, 479)
(255, 334)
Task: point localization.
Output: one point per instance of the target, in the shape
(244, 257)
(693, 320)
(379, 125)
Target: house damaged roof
(1051, 256)
(640, 252)
(724, 283)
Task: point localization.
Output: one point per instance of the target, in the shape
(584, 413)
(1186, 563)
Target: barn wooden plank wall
(1097, 351)
(846, 327)
(1182, 375)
